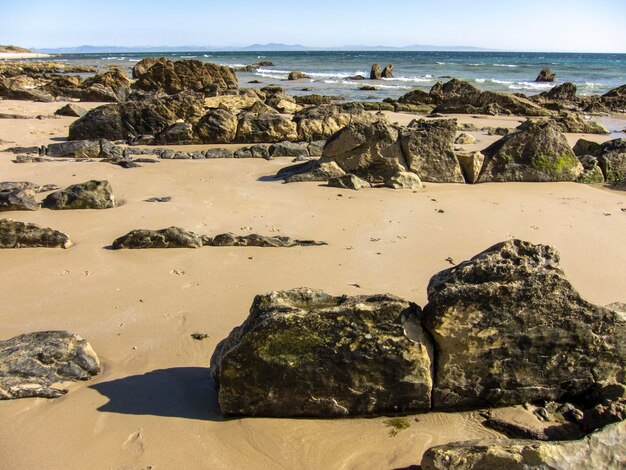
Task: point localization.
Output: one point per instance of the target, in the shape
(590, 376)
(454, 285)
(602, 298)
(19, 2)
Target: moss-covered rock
(612, 159)
(306, 353)
(89, 195)
(509, 328)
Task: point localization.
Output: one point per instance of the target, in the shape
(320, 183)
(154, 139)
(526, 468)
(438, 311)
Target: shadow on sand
(180, 392)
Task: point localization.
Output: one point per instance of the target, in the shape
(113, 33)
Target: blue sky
(528, 25)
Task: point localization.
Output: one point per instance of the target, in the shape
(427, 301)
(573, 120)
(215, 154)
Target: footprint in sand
(178, 272)
(134, 444)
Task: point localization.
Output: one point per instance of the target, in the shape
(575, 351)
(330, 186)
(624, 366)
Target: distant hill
(15, 49)
(271, 47)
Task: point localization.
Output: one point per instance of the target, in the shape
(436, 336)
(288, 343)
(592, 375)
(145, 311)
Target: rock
(218, 153)
(586, 147)
(34, 364)
(310, 171)
(229, 239)
(465, 139)
(13, 185)
(502, 131)
(564, 92)
(316, 100)
(370, 88)
(90, 195)
(387, 72)
(538, 151)
(575, 123)
(159, 199)
(266, 128)
(24, 235)
(404, 180)
(298, 76)
(416, 97)
(591, 171)
(306, 353)
(612, 159)
(376, 73)
(546, 75)
(316, 148)
(186, 75)
(75, 149)
(181, 133)
(289, 149)
(141, 67)
(172, 237)
(114, 78)
(471, 164)
(428, 147)
(71, 110)
(18, 200)
(369, 151)
(320, 122)
(509, 328)
(348, 182)
(605, 449)
(217, 126)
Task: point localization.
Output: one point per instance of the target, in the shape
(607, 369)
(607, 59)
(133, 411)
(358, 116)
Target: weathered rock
(591, 171)
(428, 147)
(90, 195)
(18, 200)
(316, 148)
(298, 76)
(75, 149)
(71, 110)
(172, 237)
(612, 159)
(376, 73)
(546, 75)
(586, 147)
(143, 65)
(113, 78)
(537, 152)
(404, 180)
(229, 239)
(509, 328)
(575, 123)
(38, 188)
(369, 151)
(564, 92)
(265, 128)
(186, 75)
(605, 449)
(471, 164)
(387, 72)
(320, 122)
(218, 153)
(24, 235)
(180, 133)
(465, 139)
(348, 182)
(31, 365)
(218, 126)
(310, 171)
(289, 149)
(306, 353)
(316, 100)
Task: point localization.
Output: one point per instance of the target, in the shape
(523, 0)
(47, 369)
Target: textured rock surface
(538, 151)
(32, 364)
(369, 151)
(321, 122)
(471, 165)
(172, 237)
(18, 200)
(428, 147)
(612, 159)
(404, 180)
(509, 328)
(306, 353)
(90, 195)
(71, 110)
(348, 182)
(15, 234)
(604, 449)
(229, 239)
(265, 127)
(310, 171)
(546, 75)
(217, 126)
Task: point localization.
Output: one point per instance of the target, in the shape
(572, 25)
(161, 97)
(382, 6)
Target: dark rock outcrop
(298, 76)
(90, 195)
(546, 75)
(74, 149)
(229, 239)
(18, 200)
(612, 159)
(71, 110)
(509, 328)
(265, 128)
(31, 365)
(320, 122)
(217, 126)
(306, 353)
(172, 237)
(376, 73)
(15, 234)
(310, 171)
(538, 151)
(387, 72)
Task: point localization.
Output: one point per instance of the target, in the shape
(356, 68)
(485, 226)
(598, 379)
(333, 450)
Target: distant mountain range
(271, 47)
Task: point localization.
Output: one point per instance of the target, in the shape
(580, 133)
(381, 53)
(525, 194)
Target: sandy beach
(154, 405)
(22, 55)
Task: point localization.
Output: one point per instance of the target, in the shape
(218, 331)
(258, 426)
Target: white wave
(441, 63)
(530, 86)
(426, 79)
(271, 75)
(358, 85)
(505, 65)
(480, 80)
(592, 85)
(133, 60)
(188, 56)
(207, 55)
(114, 58)
(234, 65)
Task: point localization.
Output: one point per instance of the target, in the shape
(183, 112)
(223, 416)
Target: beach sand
(154, 405)
(22, 55)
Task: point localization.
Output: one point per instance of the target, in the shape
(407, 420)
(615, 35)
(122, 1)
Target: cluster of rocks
(381, 153)
(378, 74)
(504, 328)
(175, 237)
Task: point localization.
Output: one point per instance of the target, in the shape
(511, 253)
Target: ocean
(512, 72)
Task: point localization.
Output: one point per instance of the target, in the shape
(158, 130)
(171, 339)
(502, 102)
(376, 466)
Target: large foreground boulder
(320, 122)
(172, 237)
(18, 200)
(31, 365)
(90, 195)
(509, 328)
(306, 353)
(604, 449)
(173, 77)
(15, 234)
(370, 151)
(538, 151)
(612, 159)
(428, 148)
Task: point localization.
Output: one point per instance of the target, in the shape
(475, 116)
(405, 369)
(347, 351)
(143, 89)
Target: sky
(522, 25)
